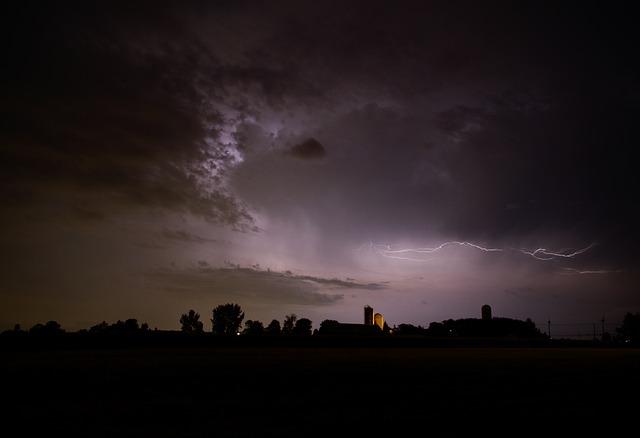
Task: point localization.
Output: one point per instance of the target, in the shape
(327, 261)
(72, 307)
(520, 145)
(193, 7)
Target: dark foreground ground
(295, 392)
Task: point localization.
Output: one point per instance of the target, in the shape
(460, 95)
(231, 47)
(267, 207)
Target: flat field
(270, 391)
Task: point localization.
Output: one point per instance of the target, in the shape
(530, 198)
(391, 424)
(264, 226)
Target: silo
(378, 320)
(486, 312)
(368, 315)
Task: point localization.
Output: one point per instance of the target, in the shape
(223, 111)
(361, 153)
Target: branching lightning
(388, 252)
(544, 254)
(414, 254)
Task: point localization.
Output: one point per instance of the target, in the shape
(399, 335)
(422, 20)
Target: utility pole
(549, 328)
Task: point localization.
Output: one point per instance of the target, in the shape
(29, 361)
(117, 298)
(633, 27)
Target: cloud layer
(255, 285)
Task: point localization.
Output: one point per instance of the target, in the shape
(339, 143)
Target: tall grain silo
(486, 312)
(378, 320)
(368, 315)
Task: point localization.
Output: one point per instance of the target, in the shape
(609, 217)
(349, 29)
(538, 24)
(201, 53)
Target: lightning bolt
(544, 254)
(383, 249)
(590, 271)
(386, 251)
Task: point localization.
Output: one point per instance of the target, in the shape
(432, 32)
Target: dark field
(267, 391)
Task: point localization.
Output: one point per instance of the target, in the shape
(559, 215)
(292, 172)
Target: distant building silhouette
(373, 325)
(378, 320)
(485, 327)
(486, 312)
(368, 315)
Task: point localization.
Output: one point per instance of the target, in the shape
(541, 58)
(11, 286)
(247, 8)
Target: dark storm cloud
(254, 284)
(467, 133)
(124, 111)
(111, 114)
(310, 149)
(546, 162)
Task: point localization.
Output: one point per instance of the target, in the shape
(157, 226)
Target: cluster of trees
(227, 320)
(471, 327)
(48, 328)
(290, 326)
(127, 326)
(51, 328)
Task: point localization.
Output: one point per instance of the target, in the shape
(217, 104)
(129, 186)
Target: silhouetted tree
(630, 329)
(99, 328)
(127, 327)
(437, 329)
(253, 328)
(53, 327)
(36, 329)
(329, 327)
(117, 327)
(191, 322)
(273, 328)
(328, 324)
(17, 331)
(288, 324)
(495, 327)
(131, 325)
(409, 330)
(227, 319)
(50, 328)
(302, 327)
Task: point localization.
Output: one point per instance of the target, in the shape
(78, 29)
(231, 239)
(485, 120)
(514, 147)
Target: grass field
(254, 391)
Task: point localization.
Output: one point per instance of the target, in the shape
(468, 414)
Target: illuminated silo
(486, 312)
(368, 315)
(378, 320)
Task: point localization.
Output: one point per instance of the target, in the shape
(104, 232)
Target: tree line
(227, 320)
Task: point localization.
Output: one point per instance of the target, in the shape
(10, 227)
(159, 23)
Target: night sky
(424, 158)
